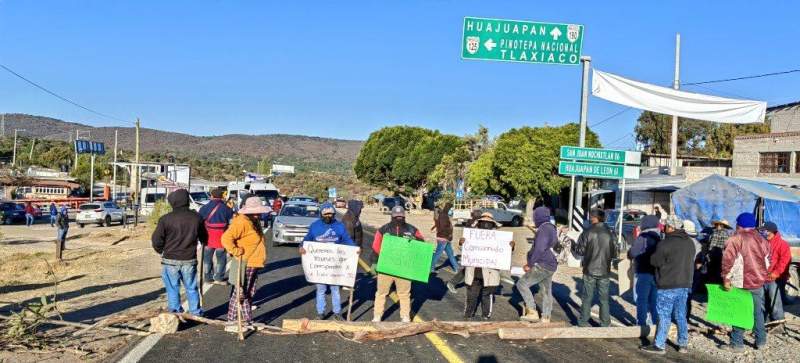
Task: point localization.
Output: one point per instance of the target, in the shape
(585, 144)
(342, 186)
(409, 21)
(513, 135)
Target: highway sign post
(521, 41)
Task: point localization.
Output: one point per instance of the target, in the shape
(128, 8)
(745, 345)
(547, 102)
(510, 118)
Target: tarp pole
(621, 213)
(673, 148)
(578, 194)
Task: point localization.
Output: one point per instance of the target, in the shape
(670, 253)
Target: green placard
(597, 170)
(521, 41)
(405, 258)
(734, 307)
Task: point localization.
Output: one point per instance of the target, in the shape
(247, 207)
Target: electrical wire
(610, 117)
(741, 78)
(67, 100)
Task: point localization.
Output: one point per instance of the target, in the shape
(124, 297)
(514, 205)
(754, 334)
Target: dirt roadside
(106, 270)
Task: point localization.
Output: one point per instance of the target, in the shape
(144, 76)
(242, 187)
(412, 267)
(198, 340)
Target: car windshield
(153, 197)
(266, 195)
(294, 210)
(200, 196)
(90, 206)
(302, 199)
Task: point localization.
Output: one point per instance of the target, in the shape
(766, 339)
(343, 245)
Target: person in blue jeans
(29, 219)
(673, 261)
(175, 238)
(328, 230)
(444, 237)
(53, 214)
(645, 289)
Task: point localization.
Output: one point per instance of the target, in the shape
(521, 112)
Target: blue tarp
(718, 197)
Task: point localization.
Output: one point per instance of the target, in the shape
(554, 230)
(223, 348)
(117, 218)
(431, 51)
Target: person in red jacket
(744, 265)
(779, 258)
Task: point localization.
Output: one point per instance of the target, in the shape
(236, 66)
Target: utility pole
(14, 158)
(114, 178)
(676, 83)
(576, 221)
(137, 187)
(91, 180)
(30, 156)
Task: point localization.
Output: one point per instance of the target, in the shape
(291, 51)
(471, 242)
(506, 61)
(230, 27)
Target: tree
(453, 166)
(524, 162)
(695, 137)
(400, 158)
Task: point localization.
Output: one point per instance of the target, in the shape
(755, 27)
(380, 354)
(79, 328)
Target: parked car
(390, 202)
(293, 222)
(303, 198)
(630, 225)
(12, 213)
(102, 213)
(463, 209)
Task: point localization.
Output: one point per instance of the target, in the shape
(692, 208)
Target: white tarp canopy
(670, 101)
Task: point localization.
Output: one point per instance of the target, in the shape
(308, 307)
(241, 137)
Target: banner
(670, 101)
(330, 263)
(734, 307)
(405, 258)
(487, 248)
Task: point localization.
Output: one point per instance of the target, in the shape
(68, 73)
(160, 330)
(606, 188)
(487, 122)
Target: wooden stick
(239, 300)
(82, 325)
(577, 333)
(201, 273)
(350, 303)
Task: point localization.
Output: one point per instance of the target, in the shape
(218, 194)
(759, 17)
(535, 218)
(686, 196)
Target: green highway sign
(521, 41)
(597, 170)
(601, 155)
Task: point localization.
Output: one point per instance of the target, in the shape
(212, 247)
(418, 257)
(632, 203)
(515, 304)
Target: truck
(462, 211)
(264, 190)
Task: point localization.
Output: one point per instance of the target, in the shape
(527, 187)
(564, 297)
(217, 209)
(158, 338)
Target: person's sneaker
(652, 349)
(406, 320)
(221, 283)
(451, 287)
(376, 320)
(683, 350)
(732, 348)
(761, 346)
(531, 315)
(253, 307)
(545, 320)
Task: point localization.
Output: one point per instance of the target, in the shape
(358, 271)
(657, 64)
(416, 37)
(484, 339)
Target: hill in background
(305, 152)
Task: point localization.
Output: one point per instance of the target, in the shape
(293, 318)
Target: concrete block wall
(747, 149)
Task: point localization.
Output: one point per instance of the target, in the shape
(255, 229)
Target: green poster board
(734, 307)
(405, 258)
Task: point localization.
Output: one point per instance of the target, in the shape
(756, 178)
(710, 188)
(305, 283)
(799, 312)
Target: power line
(62, 97)
(741, 78)
(610, 117)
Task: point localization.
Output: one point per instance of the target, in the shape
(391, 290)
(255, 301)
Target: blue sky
(344, 69)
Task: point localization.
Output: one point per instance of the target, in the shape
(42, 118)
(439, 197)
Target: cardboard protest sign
(405, 258)
(487, 248)
(734, 307)
(330, 263)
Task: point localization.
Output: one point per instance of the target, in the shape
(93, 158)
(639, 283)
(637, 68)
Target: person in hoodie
(327, 230)
(352, 223)
(779, 258)
(540, 267)
(748, 251)
(400, 228)
(640, 252)
(216, 217)
(444, 237)
(175, 239)
(62, 221)
(53, 214)
(673, 262)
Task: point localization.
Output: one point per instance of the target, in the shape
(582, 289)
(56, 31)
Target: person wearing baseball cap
(673, 262)
(751, 249)
(400, 228)
(779, 258)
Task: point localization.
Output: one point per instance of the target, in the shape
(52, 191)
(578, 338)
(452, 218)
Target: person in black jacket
(599, 249)
(175, 239)
(673, 261)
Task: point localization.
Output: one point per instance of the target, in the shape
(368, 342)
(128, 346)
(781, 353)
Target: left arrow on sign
(489, 44)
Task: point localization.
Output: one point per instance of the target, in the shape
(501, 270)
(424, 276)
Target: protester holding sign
(327, 229)
(482, 281)
(540, 267)
(744, 265)
(397, 227)
(475, 214)
(673, 261)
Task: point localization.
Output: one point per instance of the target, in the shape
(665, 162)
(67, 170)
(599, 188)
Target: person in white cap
(397, 227)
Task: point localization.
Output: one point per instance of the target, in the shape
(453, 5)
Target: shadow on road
(18, 288)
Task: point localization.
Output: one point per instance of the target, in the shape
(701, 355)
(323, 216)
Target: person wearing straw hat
(244, 240)
(481, 282)
(716, 244)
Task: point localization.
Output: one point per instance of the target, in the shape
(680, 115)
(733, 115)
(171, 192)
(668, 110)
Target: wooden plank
(305, 325)
(577, 333)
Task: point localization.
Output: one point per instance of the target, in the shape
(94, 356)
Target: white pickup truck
(499, 210)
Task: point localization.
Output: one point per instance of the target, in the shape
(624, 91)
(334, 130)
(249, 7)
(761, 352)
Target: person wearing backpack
(216, 217)
(540, 267)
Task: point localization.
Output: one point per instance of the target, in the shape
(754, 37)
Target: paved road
(283, 293)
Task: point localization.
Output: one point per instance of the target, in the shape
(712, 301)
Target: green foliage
(400, 158)
(160, 208)
(454, 165)
(524, 162)
(701, 138)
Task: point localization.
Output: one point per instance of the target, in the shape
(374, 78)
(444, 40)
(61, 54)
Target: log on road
(369, 331)
(578, 333)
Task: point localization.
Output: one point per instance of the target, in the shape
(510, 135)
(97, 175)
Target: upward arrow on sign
(490, 44)
(555, 33)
